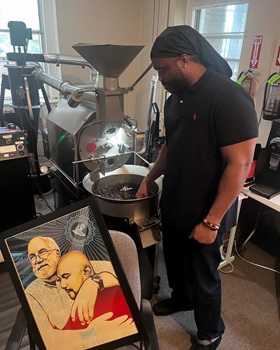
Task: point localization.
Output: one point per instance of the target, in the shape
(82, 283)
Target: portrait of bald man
(74, 268)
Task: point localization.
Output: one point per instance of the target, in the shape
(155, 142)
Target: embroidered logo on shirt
(194, 116)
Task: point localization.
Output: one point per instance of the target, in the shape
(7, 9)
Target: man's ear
(184, 59)
(87, 270)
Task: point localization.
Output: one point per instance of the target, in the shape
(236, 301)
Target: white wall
(155, 18)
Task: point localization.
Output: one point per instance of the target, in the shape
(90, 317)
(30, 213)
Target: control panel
(12, 144)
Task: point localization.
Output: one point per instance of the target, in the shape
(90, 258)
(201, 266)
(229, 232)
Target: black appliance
(270, 175)
(16, 191)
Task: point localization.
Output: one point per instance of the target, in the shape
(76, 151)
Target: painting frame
(79, 231)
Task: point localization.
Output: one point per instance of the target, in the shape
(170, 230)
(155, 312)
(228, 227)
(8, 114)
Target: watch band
(96, 278)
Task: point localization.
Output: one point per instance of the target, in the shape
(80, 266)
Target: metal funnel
(109, 60)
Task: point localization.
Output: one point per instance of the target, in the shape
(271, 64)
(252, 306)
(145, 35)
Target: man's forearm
(109, 279)
(159, 166)
(229, 189)
(239, 159)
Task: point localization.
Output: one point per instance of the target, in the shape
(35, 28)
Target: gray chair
(127, 252)
(128, 256)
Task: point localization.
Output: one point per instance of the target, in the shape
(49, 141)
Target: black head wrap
(183, 39)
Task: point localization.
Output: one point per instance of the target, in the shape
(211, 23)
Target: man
(211, 130)
(73, 270)
(47, 300)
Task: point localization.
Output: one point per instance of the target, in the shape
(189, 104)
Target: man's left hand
(85, 302)
(203, 235)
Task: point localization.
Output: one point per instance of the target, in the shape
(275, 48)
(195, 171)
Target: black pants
(192, 274)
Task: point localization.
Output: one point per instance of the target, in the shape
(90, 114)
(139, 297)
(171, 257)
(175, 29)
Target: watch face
(99, 281)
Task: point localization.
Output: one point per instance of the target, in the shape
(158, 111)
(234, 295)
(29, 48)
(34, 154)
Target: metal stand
(227, 256)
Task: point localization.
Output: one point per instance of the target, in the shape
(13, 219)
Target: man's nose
(63, 284)
(39, 259)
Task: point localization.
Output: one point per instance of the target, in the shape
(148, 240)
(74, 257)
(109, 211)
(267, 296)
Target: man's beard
(71, 293)
(47, 272)
(176, 85)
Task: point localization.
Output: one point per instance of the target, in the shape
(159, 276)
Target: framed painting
(69, 280)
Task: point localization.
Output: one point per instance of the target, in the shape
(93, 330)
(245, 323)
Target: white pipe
(72, 60)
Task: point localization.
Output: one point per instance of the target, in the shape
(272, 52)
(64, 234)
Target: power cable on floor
(227, 271)
(252, 263)
(245, 260)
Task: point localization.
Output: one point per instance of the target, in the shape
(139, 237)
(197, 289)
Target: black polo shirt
(213, 113)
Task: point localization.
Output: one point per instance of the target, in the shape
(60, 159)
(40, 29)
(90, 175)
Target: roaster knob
(91, 147)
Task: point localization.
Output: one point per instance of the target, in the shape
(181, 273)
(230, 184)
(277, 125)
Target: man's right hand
(142, 190)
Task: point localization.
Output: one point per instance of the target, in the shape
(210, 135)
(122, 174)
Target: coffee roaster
(88, 134)
(88, 140)
(87, 131)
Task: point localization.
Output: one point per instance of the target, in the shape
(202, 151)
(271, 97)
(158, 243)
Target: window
(223, 27)
(40, 16)
(24, 11)
(17, 10)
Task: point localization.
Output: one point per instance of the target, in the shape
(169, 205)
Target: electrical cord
(227, 271)
(42, 198)
(223, 270)
(252, 263)
(245, 260)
